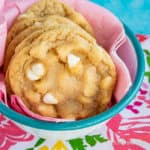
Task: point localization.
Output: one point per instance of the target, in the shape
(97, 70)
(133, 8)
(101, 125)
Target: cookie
(29, 39)
(39, 23)
(46, 8)
(63, 73)
(31, 33)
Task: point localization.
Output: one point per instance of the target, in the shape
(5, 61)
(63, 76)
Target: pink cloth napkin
(3, 94)
(108, 30)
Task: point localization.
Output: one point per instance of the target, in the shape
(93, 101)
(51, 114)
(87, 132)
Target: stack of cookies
(53, 63)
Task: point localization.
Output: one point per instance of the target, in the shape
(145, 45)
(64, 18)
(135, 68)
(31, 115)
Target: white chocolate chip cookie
(58, 74)
(44, 8)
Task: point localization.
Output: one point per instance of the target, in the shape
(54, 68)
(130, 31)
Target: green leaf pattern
(147, 55)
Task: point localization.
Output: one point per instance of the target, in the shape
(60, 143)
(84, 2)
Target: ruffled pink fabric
(3, 94)
(3, 35)
(108, 30)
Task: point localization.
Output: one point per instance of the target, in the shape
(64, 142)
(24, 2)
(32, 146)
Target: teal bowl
(92, 121)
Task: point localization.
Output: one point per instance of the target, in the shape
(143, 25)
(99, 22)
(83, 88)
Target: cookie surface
(28, 40)
(45, 8)
(55, 7)
(30, 34)
(63, 73)
(36, 24)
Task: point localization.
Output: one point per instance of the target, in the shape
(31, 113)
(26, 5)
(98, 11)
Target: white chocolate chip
(32, 76)
(36, 72)
(38, 69)
(73, 60)
(37, 24)
(49, 99)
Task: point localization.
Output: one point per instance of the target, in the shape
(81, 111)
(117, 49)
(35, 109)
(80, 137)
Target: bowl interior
(137, 77)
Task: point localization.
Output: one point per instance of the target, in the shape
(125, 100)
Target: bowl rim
(88, 122)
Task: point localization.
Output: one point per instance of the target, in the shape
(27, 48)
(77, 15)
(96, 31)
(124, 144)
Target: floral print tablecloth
(129, 130)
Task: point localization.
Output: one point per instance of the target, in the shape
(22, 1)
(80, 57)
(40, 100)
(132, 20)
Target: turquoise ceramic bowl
(93, 121)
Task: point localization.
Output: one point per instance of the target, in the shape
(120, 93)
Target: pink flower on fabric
(124, 131)
(10, 134)
(141, 38)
